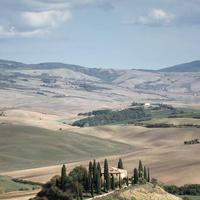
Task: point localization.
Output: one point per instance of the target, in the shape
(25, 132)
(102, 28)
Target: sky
(145, 34)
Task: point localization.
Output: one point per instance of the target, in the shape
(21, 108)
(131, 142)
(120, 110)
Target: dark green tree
(92, 188)
(120, 181)
(120, 164)
(127, 181)
(98, 182)
(90, 175)
(135, 176)
(148, 176)
(106, 175)
(94, 172)
(112, 182)
(91, 168)
(140, 169)
(99, 168)
(63, 177)
(145, 173)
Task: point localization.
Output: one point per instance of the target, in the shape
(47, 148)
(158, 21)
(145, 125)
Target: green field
(24, 147)
(190, 197)
(8, 185)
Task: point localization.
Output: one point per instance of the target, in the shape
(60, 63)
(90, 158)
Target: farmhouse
(118, 172)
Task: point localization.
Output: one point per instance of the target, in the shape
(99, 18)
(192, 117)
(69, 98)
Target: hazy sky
(101, 33)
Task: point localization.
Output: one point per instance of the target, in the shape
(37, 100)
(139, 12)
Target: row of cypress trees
(141, 175)
(95, 181)
(98, 180)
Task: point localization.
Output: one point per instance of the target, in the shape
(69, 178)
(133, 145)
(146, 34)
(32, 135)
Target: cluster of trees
(110, 117)
(195, 141)
(80, 182)
(96, 112)
(190, 189)
(141, 175)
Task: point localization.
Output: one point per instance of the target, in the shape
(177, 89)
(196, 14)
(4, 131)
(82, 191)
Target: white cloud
(156, 17)
(12, 32)
(46, 19)
(38, 17)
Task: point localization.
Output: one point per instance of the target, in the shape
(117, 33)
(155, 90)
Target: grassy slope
(8, 185)
(27, 147)
(141, 192)
(191, 197)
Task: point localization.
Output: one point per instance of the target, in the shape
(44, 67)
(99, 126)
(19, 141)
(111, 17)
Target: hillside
(143, 192)
(23, 147)
(71, 88)
(186, 67)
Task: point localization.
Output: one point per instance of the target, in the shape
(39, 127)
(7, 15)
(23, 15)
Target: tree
(140, 169)
(90, 175)
(120, 164)
(120, 181)
(106, 175)
(99, 167)
(127, 181)
(90, 168)
(63, 177)
(112, 182)
(94, 172)
(145, 173)
(135, 176)
(79, 174)
(92, 188)
(98, 182)
(148, 176)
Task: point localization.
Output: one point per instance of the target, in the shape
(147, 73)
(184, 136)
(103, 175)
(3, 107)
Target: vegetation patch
(190, 189)
(9, 185)
(112, 117)
(194, 141)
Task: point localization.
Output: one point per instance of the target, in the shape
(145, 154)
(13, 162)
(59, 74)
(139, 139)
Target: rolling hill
(186, 67)
(71, 88)
(24, 147)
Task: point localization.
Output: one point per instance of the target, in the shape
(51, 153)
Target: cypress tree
(148, 176)
(87, 183)
(90, 174)
(127, 181)
(120, 181)
(63, 177)
(81, 193)
(140, 169)
(91, 169)
(120, 164)
(135, 176)
(94, 172)
(92, 188)
(99, 167)
(145, 173)
(112, 182)
(106, 175)
(98, 182)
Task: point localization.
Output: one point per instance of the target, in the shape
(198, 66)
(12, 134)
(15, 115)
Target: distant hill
(103, 74)
(186, 67)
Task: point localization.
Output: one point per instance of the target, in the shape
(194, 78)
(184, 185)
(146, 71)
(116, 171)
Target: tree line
(190, 189)
(84, 182)
(110, 117)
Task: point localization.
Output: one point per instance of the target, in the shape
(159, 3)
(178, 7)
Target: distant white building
(147, 104)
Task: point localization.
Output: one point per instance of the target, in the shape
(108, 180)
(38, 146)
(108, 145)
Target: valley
(39, 103)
